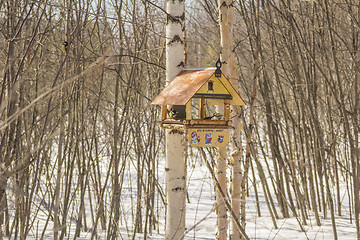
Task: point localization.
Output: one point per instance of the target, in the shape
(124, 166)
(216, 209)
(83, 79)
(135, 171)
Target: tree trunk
(175, 167)
(222, 219)
(226, 15)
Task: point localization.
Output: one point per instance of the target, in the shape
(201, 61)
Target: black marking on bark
(182, 17)
(177, 189)
(175, 19)
(176, 38)
(223, 4)
(181, 64)
(176, 131)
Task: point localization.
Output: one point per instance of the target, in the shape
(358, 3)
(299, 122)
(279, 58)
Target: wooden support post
(202, 108)
(163, 112)
(227, 110)
(189, 110)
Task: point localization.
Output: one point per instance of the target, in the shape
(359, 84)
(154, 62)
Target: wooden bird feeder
(189, 91)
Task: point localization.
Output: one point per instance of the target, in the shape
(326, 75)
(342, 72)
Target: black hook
(218, 68)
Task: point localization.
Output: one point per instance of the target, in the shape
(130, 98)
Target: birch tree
(226, 14)
(222, 218)
(175, 169)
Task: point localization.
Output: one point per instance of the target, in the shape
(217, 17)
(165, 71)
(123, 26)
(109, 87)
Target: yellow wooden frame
(202, 108)
(189, 110)
(163, 112)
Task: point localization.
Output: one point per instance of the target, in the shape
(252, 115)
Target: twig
(242, 231)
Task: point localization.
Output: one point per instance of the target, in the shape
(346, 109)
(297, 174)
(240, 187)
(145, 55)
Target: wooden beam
(163, 112)
(208, 126)
(227, 110)
(189, 110)
(212, 96)
(202, 108)
(212, 122)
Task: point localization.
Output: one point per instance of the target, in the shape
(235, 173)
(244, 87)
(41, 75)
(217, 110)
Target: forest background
(77, 134)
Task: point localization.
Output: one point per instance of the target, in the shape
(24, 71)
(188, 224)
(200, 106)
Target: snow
(201, 217)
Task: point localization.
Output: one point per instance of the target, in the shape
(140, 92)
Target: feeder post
(202, 108)
(189, 110)
(227, 110)
(163, 112)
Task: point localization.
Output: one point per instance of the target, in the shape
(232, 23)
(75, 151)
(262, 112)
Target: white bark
(226, 14)
(175, 169)
(222, 218)
(175, 56)
(175, 184)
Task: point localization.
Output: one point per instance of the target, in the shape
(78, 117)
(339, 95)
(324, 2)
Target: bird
(216, 116)
(64, 46)
(172, 113)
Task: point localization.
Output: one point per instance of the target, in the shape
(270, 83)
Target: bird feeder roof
(188, 82)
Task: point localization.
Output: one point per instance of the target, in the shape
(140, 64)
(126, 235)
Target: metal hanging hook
(218, 68)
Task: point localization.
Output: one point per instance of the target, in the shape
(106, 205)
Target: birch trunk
(226, 14)
(222, 218)
(175, 169)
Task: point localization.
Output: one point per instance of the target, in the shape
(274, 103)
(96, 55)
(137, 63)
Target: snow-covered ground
(201, 217)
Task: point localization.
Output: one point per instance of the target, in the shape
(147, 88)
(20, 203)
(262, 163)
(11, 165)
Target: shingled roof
(184, 86)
